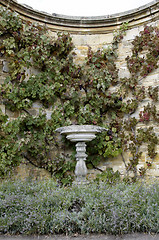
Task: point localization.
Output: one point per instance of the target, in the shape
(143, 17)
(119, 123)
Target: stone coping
(94, 24)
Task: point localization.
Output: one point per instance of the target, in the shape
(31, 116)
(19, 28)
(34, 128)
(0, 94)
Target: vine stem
(96, 167)
(26, 111)
(123, 160)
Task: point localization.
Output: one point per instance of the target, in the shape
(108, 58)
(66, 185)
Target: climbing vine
(42, 71)
(144, 58)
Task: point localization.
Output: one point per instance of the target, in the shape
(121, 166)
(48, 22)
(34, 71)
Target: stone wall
(97, 32)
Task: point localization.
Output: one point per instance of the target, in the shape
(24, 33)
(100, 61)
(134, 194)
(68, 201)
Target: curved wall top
(56, 22)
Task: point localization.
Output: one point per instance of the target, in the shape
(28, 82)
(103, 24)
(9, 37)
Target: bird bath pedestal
(80, 134)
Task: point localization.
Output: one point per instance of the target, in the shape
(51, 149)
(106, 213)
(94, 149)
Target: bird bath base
(80, 134)
(81, 169)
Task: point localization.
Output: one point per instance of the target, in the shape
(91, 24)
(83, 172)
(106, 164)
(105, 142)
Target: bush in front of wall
(45, 208)
(108, 176)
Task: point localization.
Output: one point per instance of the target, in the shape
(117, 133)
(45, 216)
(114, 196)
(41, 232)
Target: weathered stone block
(37, 105)
(2, 77)
(5, 67)
(26, 170)
(12, 114)
(48, 114)
(2, 107)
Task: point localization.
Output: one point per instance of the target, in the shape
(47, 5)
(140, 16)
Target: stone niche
(96, 32)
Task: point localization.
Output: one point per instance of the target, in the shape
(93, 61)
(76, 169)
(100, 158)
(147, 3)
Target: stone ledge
(148, 12)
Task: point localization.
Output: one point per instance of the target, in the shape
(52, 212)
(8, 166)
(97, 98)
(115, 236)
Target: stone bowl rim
(80, 129)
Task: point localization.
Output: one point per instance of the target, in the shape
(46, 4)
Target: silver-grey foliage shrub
(46, 208)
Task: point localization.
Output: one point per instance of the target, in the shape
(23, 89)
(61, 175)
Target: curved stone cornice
(107, 23)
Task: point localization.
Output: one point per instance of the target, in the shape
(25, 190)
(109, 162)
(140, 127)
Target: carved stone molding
(91, 25)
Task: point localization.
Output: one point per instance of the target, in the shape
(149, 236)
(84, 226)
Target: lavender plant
(45, 208)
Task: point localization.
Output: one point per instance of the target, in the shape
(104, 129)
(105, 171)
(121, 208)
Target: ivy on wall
(76, 94)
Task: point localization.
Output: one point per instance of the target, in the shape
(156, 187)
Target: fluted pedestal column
(81, 169)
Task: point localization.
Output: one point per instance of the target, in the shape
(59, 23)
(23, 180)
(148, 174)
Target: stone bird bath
(80, 134)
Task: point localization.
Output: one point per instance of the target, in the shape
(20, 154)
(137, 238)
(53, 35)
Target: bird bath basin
(80, 134)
